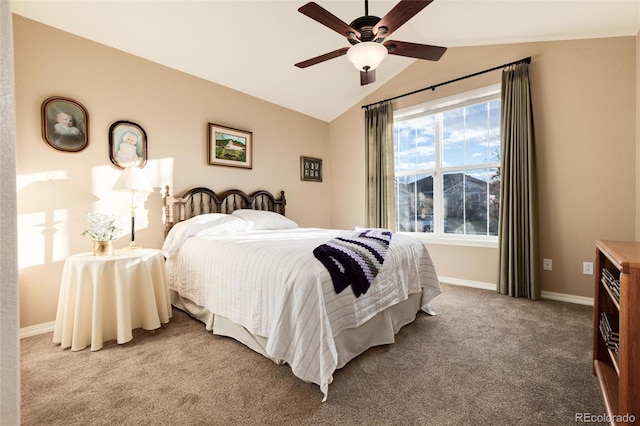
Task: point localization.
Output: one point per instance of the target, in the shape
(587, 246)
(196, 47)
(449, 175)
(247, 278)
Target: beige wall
(55, 189)
(638, 136)
(584, 96)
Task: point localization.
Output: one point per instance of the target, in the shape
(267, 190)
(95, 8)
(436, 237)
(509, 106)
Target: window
(447, 166)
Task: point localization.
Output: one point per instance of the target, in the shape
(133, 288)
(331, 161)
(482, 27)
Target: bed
(236, 263)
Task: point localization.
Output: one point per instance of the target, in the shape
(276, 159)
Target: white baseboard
(562, 297)
(34, 330)
(550, 295)
(468, 283)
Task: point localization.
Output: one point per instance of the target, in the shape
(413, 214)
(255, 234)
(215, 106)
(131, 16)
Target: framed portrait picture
(311, 169)
(127, 144)
(230, 147)
(65, 124)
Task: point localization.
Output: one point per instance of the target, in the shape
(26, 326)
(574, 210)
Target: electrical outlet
(547, 264)
(587, 268)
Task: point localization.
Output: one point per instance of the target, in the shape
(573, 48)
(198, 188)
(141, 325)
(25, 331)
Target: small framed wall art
(65, 124)
(230, 147)
(127, 144)
(311, 169)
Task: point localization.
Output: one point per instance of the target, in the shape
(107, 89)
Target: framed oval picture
(65, 124)
(127, 144)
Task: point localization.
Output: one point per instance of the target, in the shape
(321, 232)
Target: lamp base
(132, 246)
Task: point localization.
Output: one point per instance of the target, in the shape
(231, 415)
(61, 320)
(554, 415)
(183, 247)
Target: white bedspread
(270, 283)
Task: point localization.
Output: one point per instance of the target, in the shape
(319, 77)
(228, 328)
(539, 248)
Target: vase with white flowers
(103, 230)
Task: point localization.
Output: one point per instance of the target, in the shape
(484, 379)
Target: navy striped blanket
(355, 259)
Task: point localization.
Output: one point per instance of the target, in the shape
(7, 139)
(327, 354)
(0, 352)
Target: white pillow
(225, 226)
(204, 224)
(263, 219)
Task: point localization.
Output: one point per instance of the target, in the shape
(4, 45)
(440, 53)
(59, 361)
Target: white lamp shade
(133, 179)
(366, 54)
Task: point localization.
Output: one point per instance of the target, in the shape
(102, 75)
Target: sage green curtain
(518, 236)
(381, 211)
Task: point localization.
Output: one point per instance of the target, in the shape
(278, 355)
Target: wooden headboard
(201, 200)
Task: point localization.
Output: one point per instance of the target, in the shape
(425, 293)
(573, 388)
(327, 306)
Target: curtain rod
(433, 87)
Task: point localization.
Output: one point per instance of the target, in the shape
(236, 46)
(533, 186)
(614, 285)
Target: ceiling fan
(368, 34)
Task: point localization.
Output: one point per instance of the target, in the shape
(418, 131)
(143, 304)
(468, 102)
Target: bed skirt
(379, 330)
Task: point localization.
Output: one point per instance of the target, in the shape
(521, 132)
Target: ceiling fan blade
(397, 16)
(326, 18)
(414, 50)
(367, 77)
(322, 58)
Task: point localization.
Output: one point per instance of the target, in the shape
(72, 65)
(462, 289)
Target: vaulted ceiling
(252, 46)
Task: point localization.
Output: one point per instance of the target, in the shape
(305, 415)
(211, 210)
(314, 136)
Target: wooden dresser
(616, 328)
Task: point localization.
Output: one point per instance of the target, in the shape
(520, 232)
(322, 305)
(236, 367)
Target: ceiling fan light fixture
(366, 56)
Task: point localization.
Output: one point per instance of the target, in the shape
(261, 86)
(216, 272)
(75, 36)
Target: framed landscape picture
(65, 124)
(311, 169)
(230, 147)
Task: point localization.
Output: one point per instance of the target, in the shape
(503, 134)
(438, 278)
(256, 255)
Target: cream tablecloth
(104, 298)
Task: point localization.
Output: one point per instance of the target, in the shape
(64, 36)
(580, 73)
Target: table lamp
(133, 179)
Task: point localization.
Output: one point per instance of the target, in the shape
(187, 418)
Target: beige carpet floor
(485, 359)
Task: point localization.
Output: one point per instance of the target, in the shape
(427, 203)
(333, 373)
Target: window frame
(460, 100)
